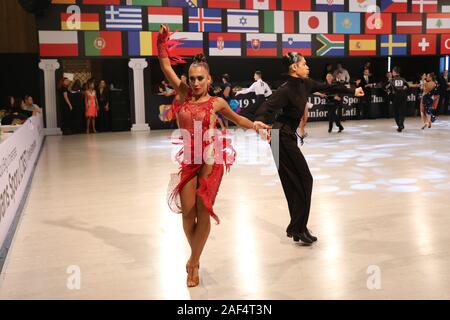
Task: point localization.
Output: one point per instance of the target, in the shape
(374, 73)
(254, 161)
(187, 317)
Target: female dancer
(429, 91)
(196, 185)
(295, 176)
(91, 104)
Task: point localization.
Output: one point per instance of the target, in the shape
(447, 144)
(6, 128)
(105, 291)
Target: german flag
(83, 21)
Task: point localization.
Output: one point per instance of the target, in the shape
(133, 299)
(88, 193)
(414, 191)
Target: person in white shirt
(345, 76)
(259, 87)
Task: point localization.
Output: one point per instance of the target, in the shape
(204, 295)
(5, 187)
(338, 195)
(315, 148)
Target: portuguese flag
(103, 43)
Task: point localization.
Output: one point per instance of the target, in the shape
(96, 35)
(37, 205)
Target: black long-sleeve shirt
(291, 100)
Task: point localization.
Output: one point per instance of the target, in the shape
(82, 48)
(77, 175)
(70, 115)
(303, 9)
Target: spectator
(344, 73)
(30, 106)
(444, 87)
(66, 106)
(104, 106)
(77, 98)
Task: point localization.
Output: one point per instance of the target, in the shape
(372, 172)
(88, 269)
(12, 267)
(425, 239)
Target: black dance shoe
(309, 235)
(329, 130)
(399, 129)
(341, 128)
(300, 237)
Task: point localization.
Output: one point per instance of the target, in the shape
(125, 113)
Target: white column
(138, 66)
(49, 66)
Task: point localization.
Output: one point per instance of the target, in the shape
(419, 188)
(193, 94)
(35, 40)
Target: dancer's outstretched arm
(164, 62)
(222, 106)
(315, 86)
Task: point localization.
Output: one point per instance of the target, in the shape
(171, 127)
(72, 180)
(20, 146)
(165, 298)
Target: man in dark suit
(443, 92)
(366, 82)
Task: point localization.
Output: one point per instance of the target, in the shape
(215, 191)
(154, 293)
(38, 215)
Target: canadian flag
(422, 44)
(445, 43)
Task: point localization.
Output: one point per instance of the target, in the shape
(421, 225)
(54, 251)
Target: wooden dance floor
(381, 210)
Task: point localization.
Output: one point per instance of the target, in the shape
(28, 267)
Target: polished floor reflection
(96, 224)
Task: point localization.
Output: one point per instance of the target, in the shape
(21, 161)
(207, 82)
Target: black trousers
(443, 102)
(295, 176)
(333, 116)
(400, 108)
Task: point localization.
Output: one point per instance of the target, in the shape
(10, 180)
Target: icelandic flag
(205, 20)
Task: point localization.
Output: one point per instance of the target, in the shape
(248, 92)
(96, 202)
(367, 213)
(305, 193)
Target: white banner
(18, 154)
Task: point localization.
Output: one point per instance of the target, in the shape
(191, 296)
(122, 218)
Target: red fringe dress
(210, 146)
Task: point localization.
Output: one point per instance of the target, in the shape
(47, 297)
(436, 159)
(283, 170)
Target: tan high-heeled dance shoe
(192, 280)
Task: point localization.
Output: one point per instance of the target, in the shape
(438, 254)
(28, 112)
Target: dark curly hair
(200, 61)
(291, 58)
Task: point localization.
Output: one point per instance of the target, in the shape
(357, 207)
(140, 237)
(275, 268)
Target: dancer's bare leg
(201, 232)
(423, 115)
(188, 207)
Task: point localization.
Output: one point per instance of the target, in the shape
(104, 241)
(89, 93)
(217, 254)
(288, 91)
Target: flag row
(402, 6)
(244, 21)
(143, 44)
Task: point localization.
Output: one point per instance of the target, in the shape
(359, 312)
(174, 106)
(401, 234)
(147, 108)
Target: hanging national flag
(64, 1)
(438, 23)
(227, 4)
(185, 3)
(296, 5)
(394, 44)
(243, 20)
(361, 5)
(423, 44)
(142, 43)
(103, 43)
(144, 2)
(330, 5)
(347, 22)
(362, 45)
(409, 23)
(394, 5)
(123, 17)
(173, 17)
(191, 43)
(83, 21)
(424, 6)
(300, 43)
(313, 22)
(445, 43)
(225, 44)
(331, 45)
(205, 20)
(101, 2)
(378, 23)
(261, 4)
(278, 21)
(261, 45)
(58, 43)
